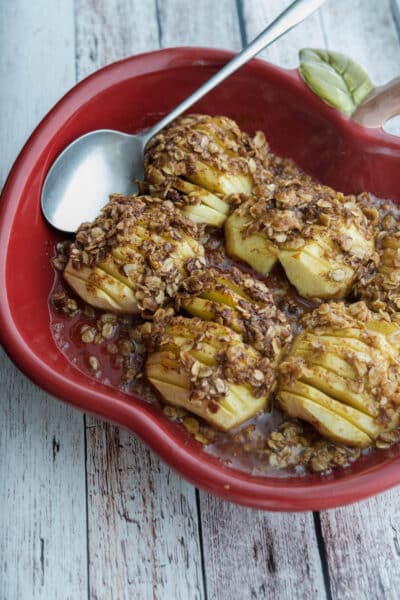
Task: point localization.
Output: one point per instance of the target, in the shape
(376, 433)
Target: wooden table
(85, 510)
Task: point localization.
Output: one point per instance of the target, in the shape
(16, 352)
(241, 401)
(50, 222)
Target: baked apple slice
(133, 257)
(342, 374)
(318, 235)
(241, 302)
(379, 283)
(206, 368)
(200, 161)
(247, 244)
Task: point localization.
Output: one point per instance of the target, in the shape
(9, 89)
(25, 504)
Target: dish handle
(382, 104)
(344, 84)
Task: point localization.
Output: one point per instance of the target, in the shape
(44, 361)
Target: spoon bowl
(102, 162)
(94, 166)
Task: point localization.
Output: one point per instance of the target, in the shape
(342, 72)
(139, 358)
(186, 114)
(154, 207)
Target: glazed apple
(133, 256)
(200, 162)
(319, 236)
(342, 374)
(207, 369)
(238, 301)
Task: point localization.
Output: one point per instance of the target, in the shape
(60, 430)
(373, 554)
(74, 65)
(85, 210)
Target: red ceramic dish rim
(242, 488)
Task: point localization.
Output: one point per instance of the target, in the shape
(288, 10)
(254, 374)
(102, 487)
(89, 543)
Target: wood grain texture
(257, 555)
(36, 78)
(42, 467)
(395, 8)
(107, 30)
(202, 23)
(42, 493)
(143, 526)
(394, 124)
(363, 548)
(144, 531)
(284, 52)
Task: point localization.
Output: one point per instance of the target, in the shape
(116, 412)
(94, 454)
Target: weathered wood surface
(363, 548)
(283, 52)
(143, 529)
(149, 534)
(43, 550)
(251, 554)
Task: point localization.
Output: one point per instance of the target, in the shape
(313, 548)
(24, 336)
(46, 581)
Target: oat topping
(239, 301)
(298, 210)
(217, 141)
(234, 361)
(296, 446)
(118, 223)
(63, 303)
(368, 345)
(138, 249)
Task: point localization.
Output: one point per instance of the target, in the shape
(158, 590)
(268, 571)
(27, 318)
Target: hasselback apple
(132, 258)
(320, 237)
(342, 374)
(207, 369)
(241, 302)
(202, 162)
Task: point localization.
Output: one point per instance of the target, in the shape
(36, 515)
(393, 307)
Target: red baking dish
(131, 95)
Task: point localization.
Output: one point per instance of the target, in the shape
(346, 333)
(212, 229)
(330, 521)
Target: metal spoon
(104, 162)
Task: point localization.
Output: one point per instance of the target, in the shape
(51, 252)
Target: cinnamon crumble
(133, 257)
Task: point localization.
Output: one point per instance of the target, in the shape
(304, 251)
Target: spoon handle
(289, 18)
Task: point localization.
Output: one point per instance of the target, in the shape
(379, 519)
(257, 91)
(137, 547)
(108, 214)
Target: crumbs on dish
(255, 306)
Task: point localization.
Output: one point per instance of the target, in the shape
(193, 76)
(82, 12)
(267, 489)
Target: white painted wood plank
(259, 555)
(108, 30)
(42, 493)
(395, 8)
(284, 52)
(393, 126)
(200, 23)
(34, 70)
(143, 525)
(363, 548)
(42, 464)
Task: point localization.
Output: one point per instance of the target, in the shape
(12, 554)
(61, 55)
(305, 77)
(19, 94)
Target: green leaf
(335, 77)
